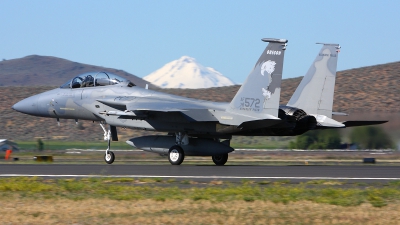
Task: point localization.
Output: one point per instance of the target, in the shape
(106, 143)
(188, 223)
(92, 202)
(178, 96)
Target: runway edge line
(199, 177)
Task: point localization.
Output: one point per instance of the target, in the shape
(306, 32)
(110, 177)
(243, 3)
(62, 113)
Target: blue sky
(141, 36)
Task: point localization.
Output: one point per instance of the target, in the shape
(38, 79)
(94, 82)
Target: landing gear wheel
(109, 157)
(220, 160)
(176, 155)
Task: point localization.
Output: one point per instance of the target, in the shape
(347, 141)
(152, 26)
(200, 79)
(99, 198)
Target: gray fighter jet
(197, 127)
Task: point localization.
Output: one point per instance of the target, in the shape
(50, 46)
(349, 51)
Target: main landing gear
(109, 156)
(176, 155)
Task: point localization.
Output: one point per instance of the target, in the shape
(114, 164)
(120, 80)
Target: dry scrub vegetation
(158, 201)
(148, 211)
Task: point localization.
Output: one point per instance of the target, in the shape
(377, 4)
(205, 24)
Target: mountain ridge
(36, 70)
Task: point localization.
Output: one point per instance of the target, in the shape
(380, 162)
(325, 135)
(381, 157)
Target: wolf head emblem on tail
(269, 67)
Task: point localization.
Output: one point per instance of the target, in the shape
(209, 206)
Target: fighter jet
(196, 127)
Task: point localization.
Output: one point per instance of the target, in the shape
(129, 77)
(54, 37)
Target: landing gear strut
(109, 157)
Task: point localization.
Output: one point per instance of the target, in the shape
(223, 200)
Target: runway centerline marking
(200, 177)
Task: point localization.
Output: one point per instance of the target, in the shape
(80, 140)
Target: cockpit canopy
(95, 79)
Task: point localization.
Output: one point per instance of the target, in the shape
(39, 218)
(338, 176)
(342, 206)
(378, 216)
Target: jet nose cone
(27, 106)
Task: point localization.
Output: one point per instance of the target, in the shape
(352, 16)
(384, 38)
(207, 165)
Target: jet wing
(150, 104)
(362, 123)
(192, 111)
(131, 106)
(160, 105)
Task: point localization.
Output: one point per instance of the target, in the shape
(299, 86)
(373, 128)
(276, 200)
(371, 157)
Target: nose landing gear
(109, 156)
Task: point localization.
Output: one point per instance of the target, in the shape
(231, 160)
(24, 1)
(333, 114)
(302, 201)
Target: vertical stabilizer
(260, 93)
(315, 92)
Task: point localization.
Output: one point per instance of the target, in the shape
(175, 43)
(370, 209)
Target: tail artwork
(260, 93)
(315, 92)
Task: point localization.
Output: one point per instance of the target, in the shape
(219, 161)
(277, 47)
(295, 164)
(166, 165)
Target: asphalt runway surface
(202, 172)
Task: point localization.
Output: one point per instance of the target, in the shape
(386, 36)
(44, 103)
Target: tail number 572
(250, 102)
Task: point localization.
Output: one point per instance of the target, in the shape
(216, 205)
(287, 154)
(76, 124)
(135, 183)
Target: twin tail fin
(260, 93)
(315, 92)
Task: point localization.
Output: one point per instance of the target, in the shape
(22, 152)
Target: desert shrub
(317, 139)
(371, 137)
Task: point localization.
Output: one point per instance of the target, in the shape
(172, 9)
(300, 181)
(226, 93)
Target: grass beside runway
(168, 201)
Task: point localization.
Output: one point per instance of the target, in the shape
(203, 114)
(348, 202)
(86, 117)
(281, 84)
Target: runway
(365, 173)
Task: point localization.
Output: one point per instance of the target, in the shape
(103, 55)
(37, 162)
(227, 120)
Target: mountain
(186, 72)
(35, 70)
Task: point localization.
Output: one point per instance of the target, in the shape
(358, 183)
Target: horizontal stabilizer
(362, 123)
(326, 122)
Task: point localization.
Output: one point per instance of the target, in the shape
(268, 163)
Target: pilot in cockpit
(96, 80)
(88, 81)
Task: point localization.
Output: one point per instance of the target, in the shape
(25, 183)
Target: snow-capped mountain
(186, 72)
